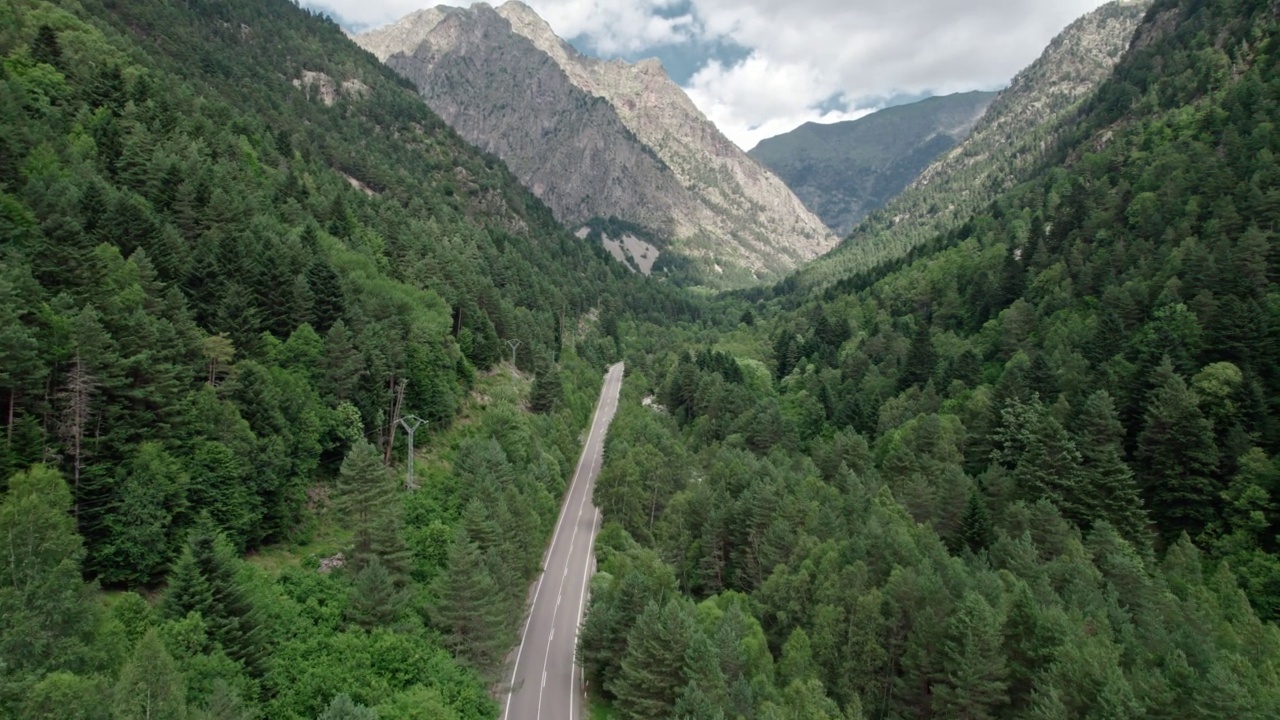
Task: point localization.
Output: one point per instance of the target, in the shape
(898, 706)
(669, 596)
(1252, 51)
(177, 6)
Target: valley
(1010, 449)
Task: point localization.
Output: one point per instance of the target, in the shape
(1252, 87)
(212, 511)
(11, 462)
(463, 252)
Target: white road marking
(603, 412)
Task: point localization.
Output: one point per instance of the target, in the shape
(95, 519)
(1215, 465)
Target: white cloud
(757, 98)
(617, 26)
(804, 52)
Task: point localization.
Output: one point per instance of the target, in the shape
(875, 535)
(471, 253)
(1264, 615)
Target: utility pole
(513, 344)
(411, 424)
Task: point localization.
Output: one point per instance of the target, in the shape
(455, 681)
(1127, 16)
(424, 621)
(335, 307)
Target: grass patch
(327, 538)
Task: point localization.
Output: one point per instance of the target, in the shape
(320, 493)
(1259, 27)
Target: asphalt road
(545, 680)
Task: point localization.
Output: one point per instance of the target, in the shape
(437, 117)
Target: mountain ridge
(1020, 126)
(843, 171)
(652, 157)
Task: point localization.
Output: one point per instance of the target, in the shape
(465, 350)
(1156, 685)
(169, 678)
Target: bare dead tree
(77, 411)
(393, 415)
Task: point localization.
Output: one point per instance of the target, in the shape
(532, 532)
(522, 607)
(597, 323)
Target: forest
(220, 289)
(1025, 470)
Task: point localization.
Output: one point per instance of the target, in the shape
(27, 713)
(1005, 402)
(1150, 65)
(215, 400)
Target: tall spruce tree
(1108, 490)
(471, 610)
(975, 674)
(653, 669)
(204, 581)
(369, 503)
(374, 599)
(1177, 458)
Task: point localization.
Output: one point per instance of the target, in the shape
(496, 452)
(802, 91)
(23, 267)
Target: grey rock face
(602, 139)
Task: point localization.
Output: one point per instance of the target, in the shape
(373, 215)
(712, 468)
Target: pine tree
(374, 599)
(45, 47)
(145, 526)
(344, 366)
(224, 703)
(342, 707)
(471, 611)
(975, 682)
(20, 366)
(1108, 490)
(369, 503)
(1042, 456)
(921, 359)
(653, 668)
(796, 662)
(1030, 644)
(706, 691)
(46, 610)
(976, 530)
(1177, 458)
(150, 685)
(328, 303)
(546, 391)
(188, 589)
(204, 581)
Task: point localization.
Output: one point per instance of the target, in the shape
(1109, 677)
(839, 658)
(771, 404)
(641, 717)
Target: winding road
(545, 680)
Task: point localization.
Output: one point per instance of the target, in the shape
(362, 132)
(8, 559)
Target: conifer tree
(921, 359)
(342, 707)
(653, 668)
(374, 599)
(370, 506)
(471, 611)
(150, 685)
(796, 662)
(975, 680)
(546, 390)
(1108, 490)
(1042, 456)
(1177, 458)
(46, 610)
(706, 691)
(975, 524)
(45, 47)
(204, 581)
(145, 527)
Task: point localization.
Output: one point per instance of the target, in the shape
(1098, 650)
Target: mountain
(1029, 470)
(1023, 124)
(600, 140)
(843, 171)
(234, 250)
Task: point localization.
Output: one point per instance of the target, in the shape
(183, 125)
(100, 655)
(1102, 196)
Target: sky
(758, 68)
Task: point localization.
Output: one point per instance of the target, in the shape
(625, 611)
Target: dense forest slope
(234, 250)
(1011, 140)
(842, 171)
(1029, 473)
(601, 140)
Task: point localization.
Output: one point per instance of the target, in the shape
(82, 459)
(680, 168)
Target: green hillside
(1019, 133)
(1028, 472)
(843, 171)
(234, 250)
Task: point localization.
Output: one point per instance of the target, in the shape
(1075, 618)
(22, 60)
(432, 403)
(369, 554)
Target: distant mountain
(843, 171)
(599, 140)
(1008, 143)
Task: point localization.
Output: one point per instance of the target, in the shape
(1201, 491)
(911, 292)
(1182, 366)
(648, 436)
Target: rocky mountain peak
(406, 33)
(603, 139)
